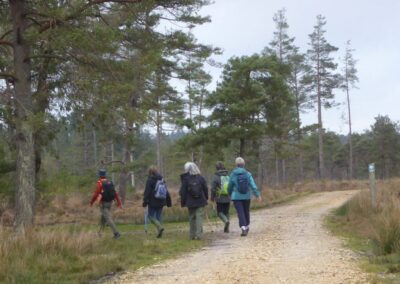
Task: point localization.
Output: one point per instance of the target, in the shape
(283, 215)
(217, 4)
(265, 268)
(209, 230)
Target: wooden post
(372, 183)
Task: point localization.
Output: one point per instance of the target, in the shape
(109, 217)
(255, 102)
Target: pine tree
(321, 79)
(385, 146)
(282, 46)
(349, 80)
(192, 72)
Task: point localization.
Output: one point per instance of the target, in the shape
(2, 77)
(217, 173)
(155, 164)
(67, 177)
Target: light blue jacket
(233, 185)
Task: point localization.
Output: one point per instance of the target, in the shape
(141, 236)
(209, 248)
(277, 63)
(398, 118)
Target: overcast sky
(244, 27)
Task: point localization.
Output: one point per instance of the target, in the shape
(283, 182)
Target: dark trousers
(243, 211)
(223, 208)
(223, 211)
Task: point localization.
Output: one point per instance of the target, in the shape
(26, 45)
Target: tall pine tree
(349, 81)
(321, 79)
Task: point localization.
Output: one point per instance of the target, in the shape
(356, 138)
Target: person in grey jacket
(194, 196)
(219, 195)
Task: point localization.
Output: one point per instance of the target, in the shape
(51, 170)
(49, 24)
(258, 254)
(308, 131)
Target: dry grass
(380, 224)
(327, 185)
(76, 254)
(74, 206)
(25, 257)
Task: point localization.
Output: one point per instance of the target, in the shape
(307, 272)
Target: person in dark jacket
(155, 205)
(239, 180)
(194, 196)
(219, 196)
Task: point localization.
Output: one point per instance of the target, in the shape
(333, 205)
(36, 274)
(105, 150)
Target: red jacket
(99, 190)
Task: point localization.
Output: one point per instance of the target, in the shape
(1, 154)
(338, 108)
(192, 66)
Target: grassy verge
(72, 254)
(373, 232)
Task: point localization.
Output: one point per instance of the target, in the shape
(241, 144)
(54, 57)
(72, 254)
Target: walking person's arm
(147, 192)
(182, 193)
(231, 184)
(214, 186)
(169, 203)
(118, 199)
(205, 187)
(96, 193)
(254, 187)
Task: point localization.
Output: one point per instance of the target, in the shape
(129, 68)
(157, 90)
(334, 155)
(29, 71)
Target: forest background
(123, 85)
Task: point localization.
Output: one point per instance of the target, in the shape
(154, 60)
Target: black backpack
(108, 193)
(243, 183)
(195, 187)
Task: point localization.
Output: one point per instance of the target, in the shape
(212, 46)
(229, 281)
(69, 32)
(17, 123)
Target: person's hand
(259, 198)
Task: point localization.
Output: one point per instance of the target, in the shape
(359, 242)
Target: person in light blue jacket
(241, 183)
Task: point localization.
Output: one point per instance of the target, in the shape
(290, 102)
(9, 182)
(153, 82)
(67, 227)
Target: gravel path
(286, 244)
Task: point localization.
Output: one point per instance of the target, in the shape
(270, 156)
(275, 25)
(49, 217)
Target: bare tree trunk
(260, 177)
(276, 170)
(321, 169)
(299, 134)
(159, 133)
(95, 148)
(132, 173)
(124, 174)
(259, 174)
(85, 149)
(284, 178)
(350, 136)
(301, 166)
(241, 147)
(112, 160)
(25, 191)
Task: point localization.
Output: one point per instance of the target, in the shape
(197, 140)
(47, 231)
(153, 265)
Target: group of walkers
(237, 187)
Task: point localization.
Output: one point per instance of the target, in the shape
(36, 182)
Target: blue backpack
(243, 183)
(160, 191)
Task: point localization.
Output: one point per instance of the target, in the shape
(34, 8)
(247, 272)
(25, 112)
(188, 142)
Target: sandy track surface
(286, 244)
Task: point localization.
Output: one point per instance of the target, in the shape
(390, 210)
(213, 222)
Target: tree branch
(111, 162)
(8, 76)
(6, 42)
(99, 2)
(46, 56)
(53, 22)
(5, 34)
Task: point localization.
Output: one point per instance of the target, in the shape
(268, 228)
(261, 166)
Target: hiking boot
(244, 231)
(117, 236)
(160, 232)
(226, 227)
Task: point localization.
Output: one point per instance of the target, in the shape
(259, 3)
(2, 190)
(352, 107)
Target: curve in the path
(286, 244)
